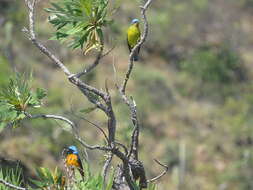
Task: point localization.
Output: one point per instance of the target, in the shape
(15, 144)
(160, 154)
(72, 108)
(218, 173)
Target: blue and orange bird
(73, 159)
(133, 36)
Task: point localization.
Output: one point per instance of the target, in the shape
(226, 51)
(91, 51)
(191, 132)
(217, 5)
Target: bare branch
(106, 165)
(111, 121)
(74, 129)
(131, 103)
(111, 116)
(109, 159)
(93, 100)
(135, 134)
(32, 37)
(108, 52)
(162, 174)
(94, 124)
(92, 66)
(138, 45)
(95, 63)
(11, 185)
(123, 146)
(126, 167)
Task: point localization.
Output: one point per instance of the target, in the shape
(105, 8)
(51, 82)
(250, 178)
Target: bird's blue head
(73, 149)
(134, 21)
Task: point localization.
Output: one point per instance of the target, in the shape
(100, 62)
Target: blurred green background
(193, 88)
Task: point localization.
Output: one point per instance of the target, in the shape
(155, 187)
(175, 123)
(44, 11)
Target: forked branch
(130, 102)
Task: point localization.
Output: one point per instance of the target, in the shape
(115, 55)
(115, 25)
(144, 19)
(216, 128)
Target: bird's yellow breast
(133, 35)
(72, 160)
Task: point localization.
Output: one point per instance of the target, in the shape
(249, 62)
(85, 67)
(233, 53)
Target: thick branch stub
(138, 172)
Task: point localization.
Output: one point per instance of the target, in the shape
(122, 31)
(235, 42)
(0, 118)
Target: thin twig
(95, 125)
(74, 129)
(95, 63)
(162, 174)
(109, 51)
(92, 66)
(7, 184)
(123, 146)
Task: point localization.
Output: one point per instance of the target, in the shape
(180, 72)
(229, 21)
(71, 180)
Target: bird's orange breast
(72, 160)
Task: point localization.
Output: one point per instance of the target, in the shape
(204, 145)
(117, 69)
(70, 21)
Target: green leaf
(100, 34)
(40, 174)
(38, 183)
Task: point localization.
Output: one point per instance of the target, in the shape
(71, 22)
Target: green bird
(133, 36)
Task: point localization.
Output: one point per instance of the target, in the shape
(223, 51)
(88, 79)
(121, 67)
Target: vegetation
(192, 87)
(13, 176)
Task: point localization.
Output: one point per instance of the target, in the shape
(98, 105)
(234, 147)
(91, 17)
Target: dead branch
(162, 174)
(74, 129)
(94, 124)
(135, 134)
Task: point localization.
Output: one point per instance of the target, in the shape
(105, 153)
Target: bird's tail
(81, 172)
(136, 55)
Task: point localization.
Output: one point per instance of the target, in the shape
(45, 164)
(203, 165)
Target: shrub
(215, 65)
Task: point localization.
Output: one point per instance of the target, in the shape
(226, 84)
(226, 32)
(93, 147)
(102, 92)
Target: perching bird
(133, 36)
(73, 159)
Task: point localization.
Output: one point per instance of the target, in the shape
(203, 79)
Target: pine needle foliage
(13, 176)
(80, 22)
(48, 179)
(16, 97)
(57, 181)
